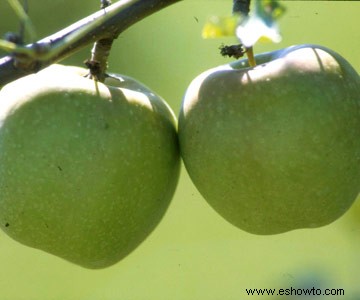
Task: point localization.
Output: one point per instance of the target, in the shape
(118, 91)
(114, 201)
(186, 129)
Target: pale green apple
(275, 147)
(87, 169)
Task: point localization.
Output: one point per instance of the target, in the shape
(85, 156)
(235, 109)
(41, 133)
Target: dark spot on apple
(106, 126)
(60, 169)
(7, 224)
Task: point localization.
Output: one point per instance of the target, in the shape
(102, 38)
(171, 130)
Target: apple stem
(250, 55)
(98, 63)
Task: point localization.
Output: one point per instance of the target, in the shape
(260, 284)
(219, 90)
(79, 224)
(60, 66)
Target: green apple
(275, 147)
(87, 169)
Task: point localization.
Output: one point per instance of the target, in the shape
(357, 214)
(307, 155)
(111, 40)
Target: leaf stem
(24, 18)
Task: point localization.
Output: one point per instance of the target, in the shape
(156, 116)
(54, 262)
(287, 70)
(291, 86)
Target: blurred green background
(194, 254)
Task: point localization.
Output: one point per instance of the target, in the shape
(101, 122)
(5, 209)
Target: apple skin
(87, 170)
(275, 147)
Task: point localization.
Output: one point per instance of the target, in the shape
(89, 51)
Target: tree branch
(106, 23)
